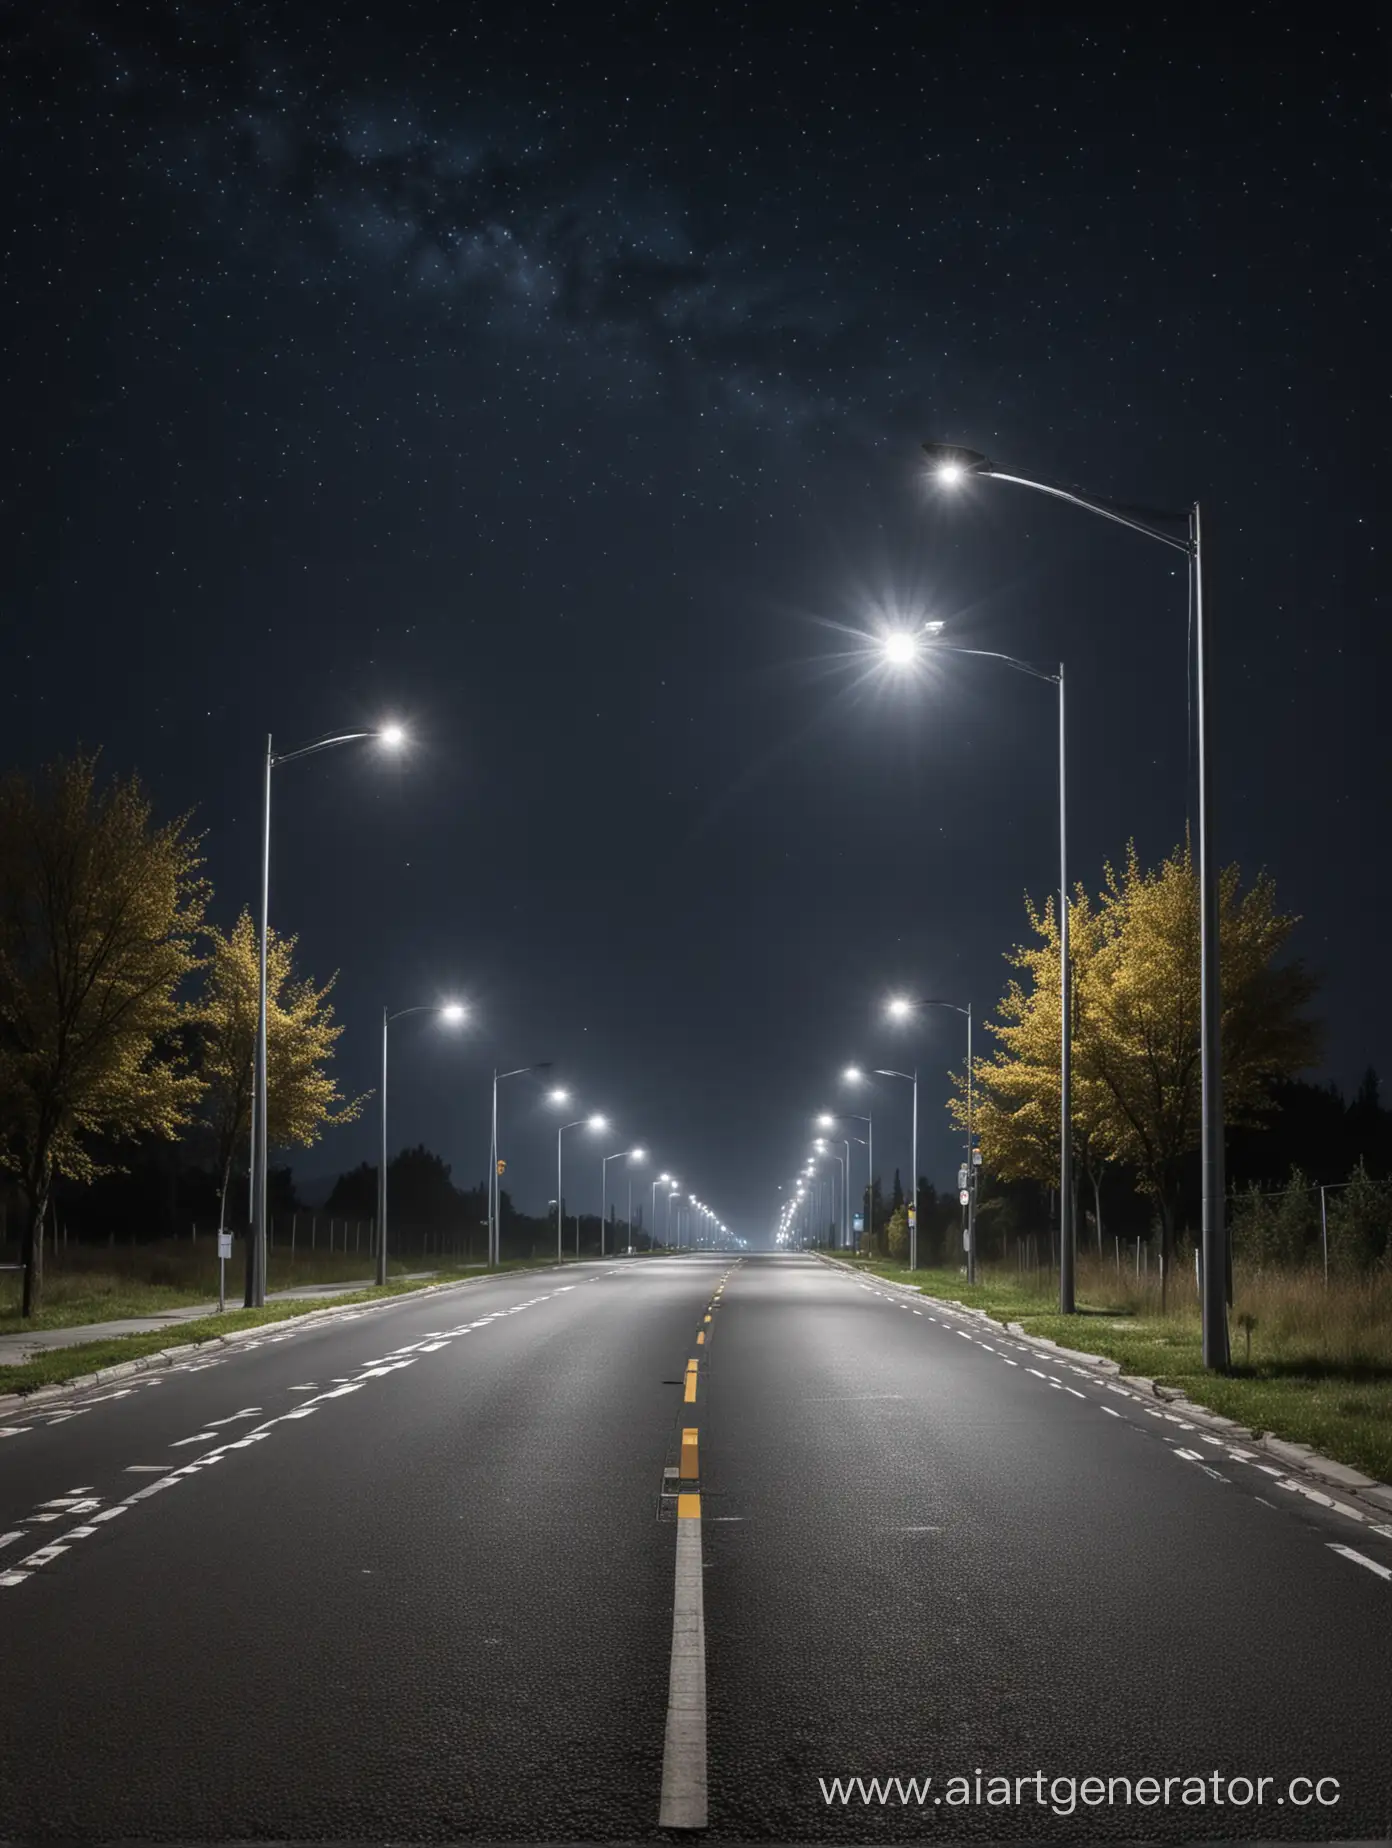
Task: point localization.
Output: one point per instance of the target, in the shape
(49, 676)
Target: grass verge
(1320, 1365)
(68, 1363)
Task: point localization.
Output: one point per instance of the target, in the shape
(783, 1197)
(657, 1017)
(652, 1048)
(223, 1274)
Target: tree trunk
(36, 1202)
(1167, 1219)
(1096, 1180)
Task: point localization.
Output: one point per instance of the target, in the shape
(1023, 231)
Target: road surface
(410, 1573)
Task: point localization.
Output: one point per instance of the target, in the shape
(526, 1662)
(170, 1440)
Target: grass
(1320, 1371)
(114, 1295)
(105, 1284)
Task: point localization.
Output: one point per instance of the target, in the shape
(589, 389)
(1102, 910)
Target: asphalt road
(414, 1580)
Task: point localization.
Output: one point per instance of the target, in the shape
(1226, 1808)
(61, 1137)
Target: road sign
(858, 1222)
(976, 1157)
(962, 1175)
(964, 1196)
(502, 1167)
(913, 1217)
(224, 1240)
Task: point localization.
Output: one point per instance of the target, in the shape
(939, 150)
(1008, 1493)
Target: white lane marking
(1270, 1470)
(1073, 1389)
(250, 1411)
(1111, 1411)
(1008, 1361)
(1190, 1456)
(13, 1578)
(1383, 1572)
(44, 1555)
(14, 1430)
(15, 1534)
(199, 1437)
(963, 1333)
(683, 1800)
(1035, 1371)
(433, 1347)
(145, 1469)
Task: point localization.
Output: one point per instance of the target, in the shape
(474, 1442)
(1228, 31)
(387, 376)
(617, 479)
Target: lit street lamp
(854, 1075)
(453, 1013)
(594, 1123)
(633, 1155)
(495, 1192)
(1067, 1234)
(393, 737)
(660, 1180)
(900, 1009)
(953, 466)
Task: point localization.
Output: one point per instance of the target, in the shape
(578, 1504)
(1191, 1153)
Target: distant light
(453, 1012)
(899, 1008)
(900, 647)
(932, 628)
(664, 1180)
(558, 1097)
(853, 1075)
(393, 736)
(637, 1155)
(826, 1120)
(597, 1122)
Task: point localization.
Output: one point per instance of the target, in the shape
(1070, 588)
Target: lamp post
(845, 1167)
(1067, 1228)
(633, 1155)
(495, 1192)
(659, 1180)
(854, 1075)
(452, 1012)
(675, 1194)
(595, 1123)
(910, 1078)
(900, 1009)
(393, 737)
(828, 1120)
(954, 465)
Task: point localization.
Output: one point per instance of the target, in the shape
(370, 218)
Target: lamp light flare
(900, 647)
(899, 1008)
(393, 736)
(453, 1012)
(558, 1096)
(598, 1122)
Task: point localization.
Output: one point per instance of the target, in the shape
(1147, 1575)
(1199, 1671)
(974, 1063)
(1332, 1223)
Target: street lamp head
(664, 1180)
(826, 1120)
(453, 1012)
(637, 1154)
(393, 736)
(558, 1096)
(899, 1008)
(900, 647)
(597, 1122)
(853, 1075)
(952, 465)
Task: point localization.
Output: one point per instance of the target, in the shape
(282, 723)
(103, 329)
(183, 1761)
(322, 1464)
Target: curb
(1372, 1499)
(165, 1357)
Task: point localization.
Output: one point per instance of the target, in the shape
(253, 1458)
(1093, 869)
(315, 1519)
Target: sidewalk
(15, 1349)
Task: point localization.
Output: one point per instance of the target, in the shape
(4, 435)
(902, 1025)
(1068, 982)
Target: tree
(300, 1037)
(898, 1234)
(1136, 1065)
(1017, 1091)
(100, 911)
(1358, 1217)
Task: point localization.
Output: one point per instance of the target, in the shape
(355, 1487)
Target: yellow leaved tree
(304, 1098)
(100, 910)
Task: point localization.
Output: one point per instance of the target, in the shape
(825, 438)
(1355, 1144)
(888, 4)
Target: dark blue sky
(552, 379)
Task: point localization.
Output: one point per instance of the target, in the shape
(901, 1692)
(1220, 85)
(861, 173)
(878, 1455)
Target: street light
(637, 1155)
(659, 1180)
(900, 1009)
(633, 1155)
(854, 1075)
(495, 1192)
(393, 737)
(591, 1122)
(952, 466)
(675, 1194)
(451, 1012)
(909, 1078)
(1067, 1231)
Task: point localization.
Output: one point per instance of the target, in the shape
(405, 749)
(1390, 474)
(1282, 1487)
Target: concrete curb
(165, 1357)
(1371, 1499)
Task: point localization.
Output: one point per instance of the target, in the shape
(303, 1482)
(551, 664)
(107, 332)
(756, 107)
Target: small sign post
(224, 1245)
(964, 1196)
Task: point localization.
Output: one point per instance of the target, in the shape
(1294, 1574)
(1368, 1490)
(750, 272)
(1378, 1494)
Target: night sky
(551, 379)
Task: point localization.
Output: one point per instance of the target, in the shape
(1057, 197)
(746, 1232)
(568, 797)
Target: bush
(1357, 1216)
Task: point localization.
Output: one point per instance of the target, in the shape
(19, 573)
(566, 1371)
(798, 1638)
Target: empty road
(410, 1573)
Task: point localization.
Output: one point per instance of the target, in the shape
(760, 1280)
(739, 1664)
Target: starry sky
(551, 379)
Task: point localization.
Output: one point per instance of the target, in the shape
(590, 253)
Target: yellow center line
(690, 1462)
(701, 1338)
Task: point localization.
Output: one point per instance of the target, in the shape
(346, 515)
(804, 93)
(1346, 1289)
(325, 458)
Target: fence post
(1324, 1238)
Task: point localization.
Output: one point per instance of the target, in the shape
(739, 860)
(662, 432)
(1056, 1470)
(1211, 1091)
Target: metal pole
(493, 1178)
(1324, 1238)
(256, 1244)
(630, 1212)
(559, 1223)
(382, 1170)
(846, 1196)
(870, 1190)
(971, 1163)
(603, 1199)
(1067, 1231)
(913, 1190)
(1214, 1308)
